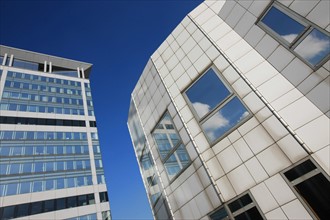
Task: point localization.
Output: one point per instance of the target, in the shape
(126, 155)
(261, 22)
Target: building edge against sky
(51, 166)
(230, 117)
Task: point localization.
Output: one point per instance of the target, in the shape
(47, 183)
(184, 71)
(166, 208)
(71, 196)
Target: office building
(50, 159)
(230, 117)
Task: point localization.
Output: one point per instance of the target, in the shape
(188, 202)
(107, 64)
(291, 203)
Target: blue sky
(117, 37)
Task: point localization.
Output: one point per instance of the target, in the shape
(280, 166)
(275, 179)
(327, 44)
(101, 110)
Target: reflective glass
(17, 151)
(60, 203)
(2, 188)
(28, 150)
(252, 213)
(172, 166)
(224, 119)
(59, 150)
(207, 93)
(27, 167)
(60, 183)
(163, 144)
(80, 181)
(22, 210)
(283, 25)
(37, 186)
(3, 169)
(49, 205)
(25, 187)
(219, 214)
(49, 185)
(315, 191)
(315, 47)
(4, 151)
(69, 150)
(14, 168)
(38, 167)
(8, 212)
(39, 150)
(70, 182)
(49, 166)
(89, 180)
(87, 164)
(19, 135)
(36, 208)
(71, 202)
(79, 164)
(12, 189)
(82, 200)
(69, 165)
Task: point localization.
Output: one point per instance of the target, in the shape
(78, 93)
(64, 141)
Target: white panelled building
(50, 159)
(230, 117)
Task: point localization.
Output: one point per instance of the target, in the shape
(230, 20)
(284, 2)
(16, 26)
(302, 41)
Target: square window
(207, 93)
(218, 109)
(307, 41)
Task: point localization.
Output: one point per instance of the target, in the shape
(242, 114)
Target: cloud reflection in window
(224, 119)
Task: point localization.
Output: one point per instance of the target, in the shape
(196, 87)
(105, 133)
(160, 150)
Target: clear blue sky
(117, 37)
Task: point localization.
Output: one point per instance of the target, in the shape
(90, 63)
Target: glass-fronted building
(230, 117)
(50, 159)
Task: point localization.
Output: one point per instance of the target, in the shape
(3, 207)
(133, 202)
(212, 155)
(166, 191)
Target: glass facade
(44, 140)
(34, 208)
(33, 93)
(147, 166)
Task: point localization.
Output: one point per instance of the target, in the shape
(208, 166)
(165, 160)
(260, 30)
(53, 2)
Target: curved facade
(230, 117)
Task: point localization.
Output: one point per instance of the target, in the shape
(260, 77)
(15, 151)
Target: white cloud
(243, 116)
(311, 46)
(215, 122)
(290, 37)
(201, 109)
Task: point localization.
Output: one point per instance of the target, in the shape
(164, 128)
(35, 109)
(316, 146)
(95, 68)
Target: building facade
(50, 159)
(230, 117)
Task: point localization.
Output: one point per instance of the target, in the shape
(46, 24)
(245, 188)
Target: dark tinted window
(316, 191)
(8, 212)
(91, 199)
(251, 214)
(82, 200)
(36, 208)
(218, 215)
(60, 203)
(22, 210)
(300, 170)
(71, 202)
(104, 197)
(240, 203)
(49, 205)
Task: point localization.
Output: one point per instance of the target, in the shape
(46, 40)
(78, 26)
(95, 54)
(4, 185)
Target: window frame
(232, 215)
(219, 106)
(302, 178)
(173, 150)
(309, 27)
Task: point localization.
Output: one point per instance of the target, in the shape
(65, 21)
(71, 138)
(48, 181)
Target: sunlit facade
(230, 117)
(50, 159)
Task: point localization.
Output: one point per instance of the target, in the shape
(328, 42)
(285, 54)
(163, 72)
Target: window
(309, 42)
(103, 196)
(312, 185)
(170, 147)
(240, 209)
(216, 107)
